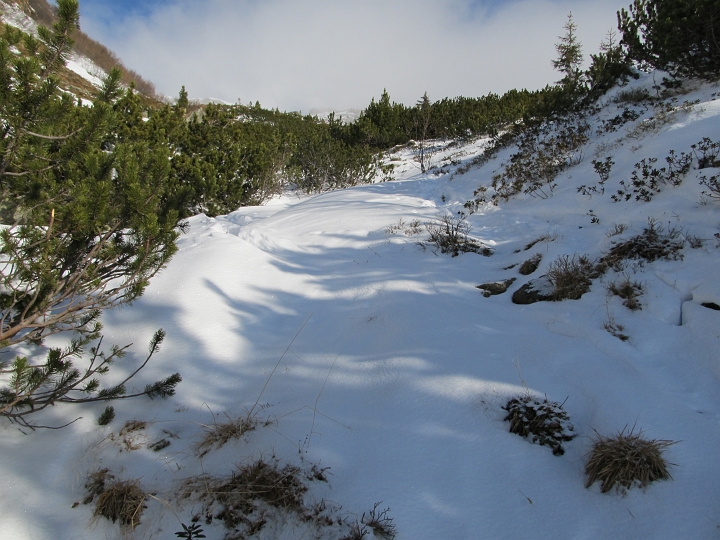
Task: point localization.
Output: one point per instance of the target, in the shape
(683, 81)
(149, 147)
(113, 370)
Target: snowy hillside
(348, 343)
(11, 14)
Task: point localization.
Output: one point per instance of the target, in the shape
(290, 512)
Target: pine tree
(85, 222)
(608, 66)
(423, 118)
(183, 102)
(679, 36)
(569, 58)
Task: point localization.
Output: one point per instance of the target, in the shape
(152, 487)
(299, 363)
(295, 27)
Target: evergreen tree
(423, 117)
(85, 226)
(569, 58)
(679, 36)
(182, 102)
(608, 66)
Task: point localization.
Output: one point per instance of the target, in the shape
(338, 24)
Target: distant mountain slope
(91, 61)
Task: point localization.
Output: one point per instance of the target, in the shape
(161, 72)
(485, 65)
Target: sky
(314, 54)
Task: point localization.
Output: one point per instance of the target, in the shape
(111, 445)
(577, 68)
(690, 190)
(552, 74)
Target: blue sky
(305, 54)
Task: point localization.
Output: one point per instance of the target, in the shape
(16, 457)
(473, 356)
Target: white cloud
(300, 54)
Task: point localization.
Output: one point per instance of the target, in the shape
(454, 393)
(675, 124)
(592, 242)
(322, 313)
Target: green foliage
(646, 180)
(385, 124)
(607, 67)
(85, 224)
(679, 36)
(569, 58)
(31, 388)
(322, 159)
(86, 219)
(107, 416)
(544, 151)
(191, 532)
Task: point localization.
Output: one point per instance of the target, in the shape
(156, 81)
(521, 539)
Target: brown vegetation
(103, 57)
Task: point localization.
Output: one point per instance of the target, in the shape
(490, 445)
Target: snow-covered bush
(543, 422)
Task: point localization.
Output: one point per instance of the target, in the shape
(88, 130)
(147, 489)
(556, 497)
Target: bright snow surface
(381, 360)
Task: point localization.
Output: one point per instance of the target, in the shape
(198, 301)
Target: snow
(86, 68)
(381, 360)
(83, 66)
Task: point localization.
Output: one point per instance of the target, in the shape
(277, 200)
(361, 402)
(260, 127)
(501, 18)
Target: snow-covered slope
(10, 13)
(368, 353)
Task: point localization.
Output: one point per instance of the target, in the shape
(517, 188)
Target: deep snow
(385, 363)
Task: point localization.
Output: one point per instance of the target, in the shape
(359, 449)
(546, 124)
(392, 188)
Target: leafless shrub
(529, 266)
(627, 290)
(95, 484)
(571, 277)
(615, 329)
(543, 422)
(219, 433)
(413, 228)
(626, 459)
(409, 229)
(616, 230)
(694, 241)
(395, 227)
(131, 436)
(381, 524)
(357, 532)
(450, 234)
(713, 185)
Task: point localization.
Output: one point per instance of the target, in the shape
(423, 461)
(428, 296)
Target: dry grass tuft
(95, 484)
(626, 459)
(122, 501)
(614, 328)
(252, 493)
(543, 422)
(629, 291)
(547, 237)
(218, 434)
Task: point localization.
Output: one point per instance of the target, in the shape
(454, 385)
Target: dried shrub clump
(626, 459)
(629, 291)
(543, 422)
(571, 277)
(652, 244)
(255, 493)
(116, 500)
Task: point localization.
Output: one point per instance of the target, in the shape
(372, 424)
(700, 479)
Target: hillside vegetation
(506, 325)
